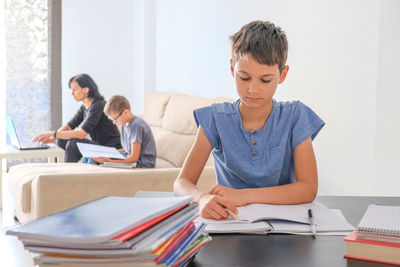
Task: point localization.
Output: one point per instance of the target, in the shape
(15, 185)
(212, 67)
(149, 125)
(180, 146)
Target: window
(29, 75)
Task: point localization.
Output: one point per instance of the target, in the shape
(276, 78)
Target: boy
(136, 137)
(262, 148)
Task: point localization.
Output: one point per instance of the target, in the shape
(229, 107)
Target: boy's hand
(213, 207)
(101, 160)
(234, 196)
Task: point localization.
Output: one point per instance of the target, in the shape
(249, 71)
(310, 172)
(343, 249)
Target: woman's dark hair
(85, 80)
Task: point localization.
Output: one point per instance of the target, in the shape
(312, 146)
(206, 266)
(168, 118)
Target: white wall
(97, 39)
(2, 78)
(342, 57)
(387, 141)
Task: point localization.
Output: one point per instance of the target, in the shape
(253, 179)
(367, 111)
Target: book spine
(367, 259)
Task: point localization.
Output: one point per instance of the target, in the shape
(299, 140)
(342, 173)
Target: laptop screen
(11, 132)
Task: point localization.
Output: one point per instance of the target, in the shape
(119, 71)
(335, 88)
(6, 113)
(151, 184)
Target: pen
(312, 222)
(233, 215)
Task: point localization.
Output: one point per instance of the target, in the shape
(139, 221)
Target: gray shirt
(139, 131)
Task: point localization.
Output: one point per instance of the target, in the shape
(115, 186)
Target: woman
(89, 120)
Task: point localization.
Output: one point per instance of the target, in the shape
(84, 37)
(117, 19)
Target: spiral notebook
(381, 223)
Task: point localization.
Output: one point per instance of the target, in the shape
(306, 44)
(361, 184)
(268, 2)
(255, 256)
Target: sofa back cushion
(170, 117)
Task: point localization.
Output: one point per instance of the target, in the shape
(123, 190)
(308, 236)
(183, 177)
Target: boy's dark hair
(84, 80)
(116, 104)
(264, 41)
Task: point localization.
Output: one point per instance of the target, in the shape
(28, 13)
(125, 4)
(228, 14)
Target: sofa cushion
(23, 174)
(178, 115)
(173, 147)
(154, 107)
(179, 128)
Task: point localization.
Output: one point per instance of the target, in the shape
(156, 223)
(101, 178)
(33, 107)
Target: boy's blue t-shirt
(259, 158)
(139, 131)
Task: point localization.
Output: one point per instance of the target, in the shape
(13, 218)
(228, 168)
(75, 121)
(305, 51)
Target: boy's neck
(129, 118)
(255, 119)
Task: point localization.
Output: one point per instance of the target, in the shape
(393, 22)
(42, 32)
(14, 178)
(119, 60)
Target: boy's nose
(253, 88)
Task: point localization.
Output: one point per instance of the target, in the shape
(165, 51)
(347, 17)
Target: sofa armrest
(53, 193)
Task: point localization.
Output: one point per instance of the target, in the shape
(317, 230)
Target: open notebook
(292, 219)
(92, 150)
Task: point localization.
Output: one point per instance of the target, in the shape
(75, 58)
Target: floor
(12, 252)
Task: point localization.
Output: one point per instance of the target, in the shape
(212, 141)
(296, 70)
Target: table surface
(12, 152)
(291, 250)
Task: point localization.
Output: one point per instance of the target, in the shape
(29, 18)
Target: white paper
(91, 151)
(259, 227)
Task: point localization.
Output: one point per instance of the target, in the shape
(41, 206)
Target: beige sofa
(40, 189)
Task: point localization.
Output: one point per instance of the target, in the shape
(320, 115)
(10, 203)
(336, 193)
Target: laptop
(12, 133)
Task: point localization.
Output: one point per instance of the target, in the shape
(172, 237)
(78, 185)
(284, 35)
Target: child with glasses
(137, 139)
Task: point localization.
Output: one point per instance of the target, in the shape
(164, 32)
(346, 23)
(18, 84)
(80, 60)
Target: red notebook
(371, 250)
(180, 237)
(137, 230)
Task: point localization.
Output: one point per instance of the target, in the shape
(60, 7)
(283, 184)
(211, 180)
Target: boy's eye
(265, 81)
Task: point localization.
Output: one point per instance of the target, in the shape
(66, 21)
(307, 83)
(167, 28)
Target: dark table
(291, 250)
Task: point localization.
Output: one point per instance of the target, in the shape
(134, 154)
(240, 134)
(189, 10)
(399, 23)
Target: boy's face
(256, 83)
(118, 118)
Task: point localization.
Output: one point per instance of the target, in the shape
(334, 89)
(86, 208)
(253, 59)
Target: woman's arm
(65, 127)
(64, 132)
(302, 191)
(211, 206)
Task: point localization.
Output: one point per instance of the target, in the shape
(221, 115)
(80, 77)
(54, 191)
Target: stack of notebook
(377, 237)
(116, 231)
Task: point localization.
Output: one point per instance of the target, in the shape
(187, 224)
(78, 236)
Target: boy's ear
(284, 74)
(232, 68)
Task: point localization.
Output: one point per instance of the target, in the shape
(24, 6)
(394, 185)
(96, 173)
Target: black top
(102, 131)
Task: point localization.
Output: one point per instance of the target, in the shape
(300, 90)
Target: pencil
(233, 215)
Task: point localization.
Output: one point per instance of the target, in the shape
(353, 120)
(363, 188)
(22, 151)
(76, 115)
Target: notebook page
(380, 220)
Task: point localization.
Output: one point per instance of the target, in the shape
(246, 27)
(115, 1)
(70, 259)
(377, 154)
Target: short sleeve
(93, 116)
(77, 119)
(205, 118)
(305, 124)
(137, 135)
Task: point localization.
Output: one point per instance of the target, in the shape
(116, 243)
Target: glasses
(114, 120)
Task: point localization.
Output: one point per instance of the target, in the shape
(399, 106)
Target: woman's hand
(44, 138)
(101, 160)
(214, 207)
(234, 196)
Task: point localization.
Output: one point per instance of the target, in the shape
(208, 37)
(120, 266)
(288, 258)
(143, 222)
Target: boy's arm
(211, 206)
(302, 191)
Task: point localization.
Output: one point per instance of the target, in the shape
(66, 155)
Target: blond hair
(116, 104)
